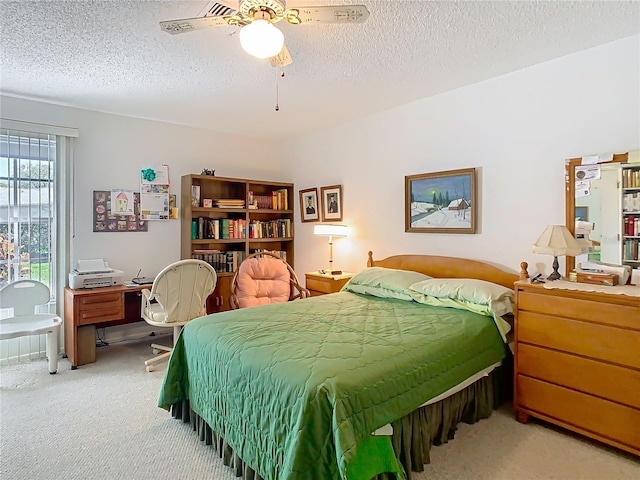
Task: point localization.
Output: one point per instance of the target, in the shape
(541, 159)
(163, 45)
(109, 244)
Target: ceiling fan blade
(218, 8)
(190, 24)
(327, 14)
(282, 59)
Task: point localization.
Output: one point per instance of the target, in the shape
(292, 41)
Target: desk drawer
(99, 308)
(604, 380)
(611, 344)
(91, 302)
(99, 315)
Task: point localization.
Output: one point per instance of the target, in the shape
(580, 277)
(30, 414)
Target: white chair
(178, 294)
(23, 297)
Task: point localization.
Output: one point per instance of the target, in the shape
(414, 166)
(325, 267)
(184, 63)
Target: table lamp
(326, 230)
(556, 240)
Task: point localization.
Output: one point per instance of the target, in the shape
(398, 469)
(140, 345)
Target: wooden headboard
(450, 267)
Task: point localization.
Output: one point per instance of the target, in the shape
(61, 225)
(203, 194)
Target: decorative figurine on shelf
(148, 174)
(206, 171)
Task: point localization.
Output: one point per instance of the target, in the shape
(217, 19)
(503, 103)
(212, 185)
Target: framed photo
(441, 202)
(331, 203)
(309, 206)
(582, 213)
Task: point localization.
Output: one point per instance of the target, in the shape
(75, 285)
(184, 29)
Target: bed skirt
(413, 435)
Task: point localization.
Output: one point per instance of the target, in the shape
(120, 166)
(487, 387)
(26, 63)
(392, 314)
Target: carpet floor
(101, 422)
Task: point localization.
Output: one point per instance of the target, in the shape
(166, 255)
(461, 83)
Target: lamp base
(555, 275)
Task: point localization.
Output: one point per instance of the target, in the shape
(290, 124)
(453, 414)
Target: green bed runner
(297, 388)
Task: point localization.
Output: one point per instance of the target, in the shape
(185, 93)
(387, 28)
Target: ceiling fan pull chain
(278, 91)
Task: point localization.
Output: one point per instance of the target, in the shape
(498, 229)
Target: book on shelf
(195, 195)
(221, 261)
(228, 203)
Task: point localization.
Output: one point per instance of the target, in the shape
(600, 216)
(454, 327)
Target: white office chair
(23, 297)
(178, 294)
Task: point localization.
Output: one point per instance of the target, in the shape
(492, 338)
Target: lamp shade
(327, 230)
(261, 39)
(557, 240)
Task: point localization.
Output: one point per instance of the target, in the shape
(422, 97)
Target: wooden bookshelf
(245, 216)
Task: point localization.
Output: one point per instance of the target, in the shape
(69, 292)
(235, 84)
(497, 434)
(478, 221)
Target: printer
(93, 273)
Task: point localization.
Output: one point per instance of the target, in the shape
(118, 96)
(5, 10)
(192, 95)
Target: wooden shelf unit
(215, 188)
(631, 215)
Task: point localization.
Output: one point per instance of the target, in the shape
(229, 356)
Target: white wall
(517, 130)
(109, 153)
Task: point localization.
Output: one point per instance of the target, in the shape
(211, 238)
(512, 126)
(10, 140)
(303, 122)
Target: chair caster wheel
(156, 351)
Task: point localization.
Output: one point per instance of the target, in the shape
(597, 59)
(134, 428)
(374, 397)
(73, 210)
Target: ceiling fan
(258, 35)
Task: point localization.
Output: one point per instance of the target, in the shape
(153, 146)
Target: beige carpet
(100, 422)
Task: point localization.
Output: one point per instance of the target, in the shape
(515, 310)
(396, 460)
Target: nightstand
(577, 362)
(321, 284)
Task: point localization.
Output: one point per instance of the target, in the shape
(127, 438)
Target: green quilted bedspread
(296, 387)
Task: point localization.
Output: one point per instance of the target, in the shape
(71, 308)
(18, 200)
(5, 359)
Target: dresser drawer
(584, 412)
(611, 344)
(580, 309)
(612, 382)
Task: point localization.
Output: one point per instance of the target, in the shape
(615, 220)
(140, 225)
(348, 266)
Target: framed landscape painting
(441, 202)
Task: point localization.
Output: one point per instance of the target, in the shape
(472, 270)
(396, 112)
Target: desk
(86, 309)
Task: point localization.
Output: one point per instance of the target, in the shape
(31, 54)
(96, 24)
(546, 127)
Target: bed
(353, 385)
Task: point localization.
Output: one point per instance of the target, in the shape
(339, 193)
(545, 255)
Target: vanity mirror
(599, 194)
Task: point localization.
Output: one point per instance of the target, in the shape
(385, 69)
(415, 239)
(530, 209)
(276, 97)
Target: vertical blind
(27, 207)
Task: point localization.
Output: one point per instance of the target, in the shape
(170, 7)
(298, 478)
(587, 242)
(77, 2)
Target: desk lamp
(326, 230)
(556, 240)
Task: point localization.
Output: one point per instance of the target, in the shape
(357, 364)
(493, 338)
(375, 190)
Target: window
(27, 207)
(36, 194)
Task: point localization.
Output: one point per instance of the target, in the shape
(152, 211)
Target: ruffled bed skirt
(413, 435)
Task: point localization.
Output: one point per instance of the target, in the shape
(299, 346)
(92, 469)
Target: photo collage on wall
(106, 218)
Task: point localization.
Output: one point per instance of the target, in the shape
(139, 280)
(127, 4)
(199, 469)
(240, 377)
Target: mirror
(593, 210)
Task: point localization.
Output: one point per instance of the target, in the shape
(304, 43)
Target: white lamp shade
(327, 230)
(261, 39)
(557, 240)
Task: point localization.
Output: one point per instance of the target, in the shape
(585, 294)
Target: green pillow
(384, 282)
(478, 296)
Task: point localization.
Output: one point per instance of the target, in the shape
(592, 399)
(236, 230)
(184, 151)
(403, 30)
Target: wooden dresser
(577, 362)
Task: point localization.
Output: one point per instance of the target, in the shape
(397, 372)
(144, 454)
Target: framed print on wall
(331, 202)
(309, 206)
(441, 202)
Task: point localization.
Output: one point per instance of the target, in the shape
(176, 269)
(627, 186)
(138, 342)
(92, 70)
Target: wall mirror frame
(570, 197)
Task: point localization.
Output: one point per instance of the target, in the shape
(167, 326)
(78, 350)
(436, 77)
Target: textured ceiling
(111, 56)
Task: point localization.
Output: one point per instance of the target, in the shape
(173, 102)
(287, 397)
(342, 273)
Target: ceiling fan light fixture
(261, 39)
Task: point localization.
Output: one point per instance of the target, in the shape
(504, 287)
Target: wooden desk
(91, 308)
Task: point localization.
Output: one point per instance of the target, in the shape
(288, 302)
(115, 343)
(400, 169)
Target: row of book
(222, 262)
(236, 228)
(280, 228)
(631, 178)
(631, 227)
(630, 250)
(218, 228)
(228, 261)
(277, 200)
(631, 202)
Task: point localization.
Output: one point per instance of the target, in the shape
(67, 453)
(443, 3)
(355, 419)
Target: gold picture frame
(441, 202)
